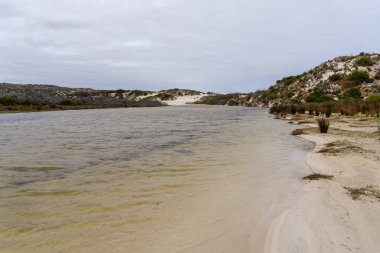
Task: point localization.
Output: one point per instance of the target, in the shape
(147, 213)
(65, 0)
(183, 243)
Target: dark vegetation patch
(359, 76)
(340, 147)
(323, 125)
(299, 131)
(318, 96)
(335, 77)
(347, 108)
(317, 176)
(367, 191)
(364, 61)
(223, 99)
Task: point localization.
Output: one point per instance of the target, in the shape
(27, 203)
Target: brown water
(172, 179)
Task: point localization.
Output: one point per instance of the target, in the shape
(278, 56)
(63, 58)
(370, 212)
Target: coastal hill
(42, 97)
(343, 78)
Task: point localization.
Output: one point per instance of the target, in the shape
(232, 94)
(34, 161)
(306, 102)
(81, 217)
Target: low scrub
(335, 77)
(367, 191)
(364, 61)
(347, 108)
(359, 76)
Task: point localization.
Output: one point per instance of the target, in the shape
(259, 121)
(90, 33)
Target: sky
(208, 45)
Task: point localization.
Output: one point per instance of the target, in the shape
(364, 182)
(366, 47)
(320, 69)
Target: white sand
(183, 100)
(326, 218)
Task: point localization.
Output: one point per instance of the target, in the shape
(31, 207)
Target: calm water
(170, 179)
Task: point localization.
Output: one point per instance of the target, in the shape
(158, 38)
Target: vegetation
(318, 96)
(339, 147)
(289, 79)
(220, 99)
(352, 94)
(335, 77)
(348, 108)
(68, 102)
(317, 176)
(359, 76)
(368, 191)
(364, 61)
(20, 105)
(323, 124)
(373, 98)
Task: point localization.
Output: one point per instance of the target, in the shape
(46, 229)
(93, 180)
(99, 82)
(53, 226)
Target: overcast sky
(208, 45)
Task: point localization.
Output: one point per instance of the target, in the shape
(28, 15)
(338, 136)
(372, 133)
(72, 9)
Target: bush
(335, 77)
(373, 98)
(323, 124)
(359, 76)
(318, 96)
(364, 61)
(352, 93)
(289, 79)
(8, 101)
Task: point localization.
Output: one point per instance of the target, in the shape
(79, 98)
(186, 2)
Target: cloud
(225, 46)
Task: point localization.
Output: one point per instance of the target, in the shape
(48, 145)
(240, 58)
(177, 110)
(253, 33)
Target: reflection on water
(132, 180)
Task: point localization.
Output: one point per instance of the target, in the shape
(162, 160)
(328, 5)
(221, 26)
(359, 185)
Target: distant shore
(338, 213)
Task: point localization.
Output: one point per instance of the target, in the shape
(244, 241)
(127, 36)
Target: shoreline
(341, 214)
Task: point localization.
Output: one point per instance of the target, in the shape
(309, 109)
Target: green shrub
(373, 98)
(289, 79)
(335, 77)
(352, 93)
(359, 76)
(364, 61)
(318, 96)
(8, 101)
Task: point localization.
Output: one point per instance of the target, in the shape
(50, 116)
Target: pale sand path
(326, 218)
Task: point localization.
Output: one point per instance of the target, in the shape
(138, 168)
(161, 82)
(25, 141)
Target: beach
(340, 214)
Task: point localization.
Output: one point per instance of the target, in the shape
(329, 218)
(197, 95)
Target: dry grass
(317, 176)
(323, 124)
(340, 147)
(368, 191)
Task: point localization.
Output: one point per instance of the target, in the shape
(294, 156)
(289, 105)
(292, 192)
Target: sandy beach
(340, 214)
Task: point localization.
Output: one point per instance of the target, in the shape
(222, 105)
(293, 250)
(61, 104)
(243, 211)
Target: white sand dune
(183, 100)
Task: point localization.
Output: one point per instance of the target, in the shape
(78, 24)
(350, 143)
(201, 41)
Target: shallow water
(172, 179)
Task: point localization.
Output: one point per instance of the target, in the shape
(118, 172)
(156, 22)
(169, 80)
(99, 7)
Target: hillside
(17, 97)
(343, 78)
(337, 79)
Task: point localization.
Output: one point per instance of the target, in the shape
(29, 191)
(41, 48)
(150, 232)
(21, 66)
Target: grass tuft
(323, 124)
(368, 191)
